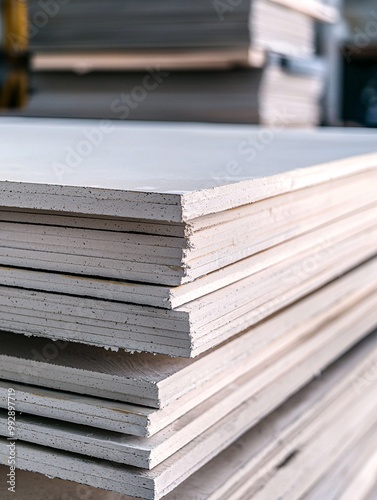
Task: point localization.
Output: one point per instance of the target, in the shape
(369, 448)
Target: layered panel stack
(200, 61)
(168, 29)
(168, 300)
(320, 444)
(283, 93)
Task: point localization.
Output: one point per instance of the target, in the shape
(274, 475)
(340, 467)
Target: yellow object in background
(15, 34)
(14, 54)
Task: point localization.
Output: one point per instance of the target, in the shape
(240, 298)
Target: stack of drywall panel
(165, 27)
(281, 455)
(236, 264)
(204, 221)
(277, 93)
(200, 61)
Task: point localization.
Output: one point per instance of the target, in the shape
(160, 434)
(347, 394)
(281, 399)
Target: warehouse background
(188, 250)
(198, 61)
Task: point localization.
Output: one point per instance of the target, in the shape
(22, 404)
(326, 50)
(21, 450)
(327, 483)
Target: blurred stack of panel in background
(240, 62)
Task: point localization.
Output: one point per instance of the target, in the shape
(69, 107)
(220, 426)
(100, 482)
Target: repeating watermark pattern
(50, 351)
(91, 138)
(123, 106)
(249, 148)
(310, 265)
(223, 7)
(11, 475)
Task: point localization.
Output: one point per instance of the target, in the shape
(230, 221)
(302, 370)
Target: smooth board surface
(143, 170)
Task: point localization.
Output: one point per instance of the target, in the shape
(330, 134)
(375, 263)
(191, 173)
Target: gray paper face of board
(159, 158)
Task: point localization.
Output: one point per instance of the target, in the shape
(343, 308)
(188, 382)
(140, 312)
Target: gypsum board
(286, 448)
(162, 479)
(302, 471)
(364, 484)
(170, 60)
(281, 82)
(75, 319)
(261, 311)
(298, 46)
(237, 96)
(74, 408)
(187, 28)
(44, 180)
(227, 475)
(126, 32)
(240, 270)
(287, 471)
(149, 452)
(340, 433)
(236, 108)
(161, 296)
(213, 480)
(283, 31)
(237, 29)
(120, 269)
(170, 298)
(187, 106)
(289, 448)
(261, 345)
(199, 96)
(314, 8)
(102, 223)
(210, 481)
(301, 280)
(305, 202)
(347, 471)
(281, 96)
(155, 379)
(226, 254)
(176, 83)
(283, 207)
(142, 421)
(282, 212)
(46, 248)
(268, 308)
